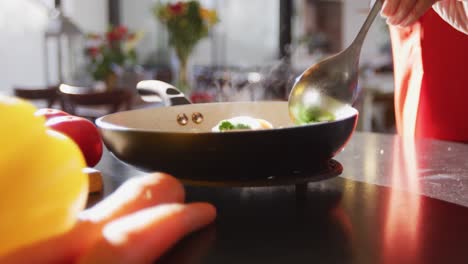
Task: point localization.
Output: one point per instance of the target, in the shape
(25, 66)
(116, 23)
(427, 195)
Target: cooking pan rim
(109, 126)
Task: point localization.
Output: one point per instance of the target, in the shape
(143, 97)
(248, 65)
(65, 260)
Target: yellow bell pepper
(42, 186)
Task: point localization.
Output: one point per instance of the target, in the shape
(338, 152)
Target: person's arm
(454, 12)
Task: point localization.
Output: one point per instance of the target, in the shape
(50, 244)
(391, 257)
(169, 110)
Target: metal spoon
(330, 84)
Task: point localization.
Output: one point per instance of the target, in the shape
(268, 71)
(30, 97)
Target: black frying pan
(154, 139)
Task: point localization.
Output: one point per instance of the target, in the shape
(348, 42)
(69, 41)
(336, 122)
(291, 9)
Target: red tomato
(83, 132)
(48, 113)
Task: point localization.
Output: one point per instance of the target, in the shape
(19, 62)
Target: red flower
(112, 36)
(121, 31)
(117, 33)
(177, 8)
(93, 52)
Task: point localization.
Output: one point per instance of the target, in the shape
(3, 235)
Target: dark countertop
(433, 168)
(395, 202)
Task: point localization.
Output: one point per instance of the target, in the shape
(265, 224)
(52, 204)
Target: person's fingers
(133, 195)
(404, 9)
(390, 7)
(136, 194)
(144, 236)
(419, 9)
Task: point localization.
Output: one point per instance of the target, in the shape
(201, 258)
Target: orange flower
(209, 15)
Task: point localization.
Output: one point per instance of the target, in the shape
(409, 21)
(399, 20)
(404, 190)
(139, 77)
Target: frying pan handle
(153, 90)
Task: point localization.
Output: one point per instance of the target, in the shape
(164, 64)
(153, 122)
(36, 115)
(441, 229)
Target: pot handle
(153, 90)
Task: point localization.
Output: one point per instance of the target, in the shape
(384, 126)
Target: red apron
(431, 79)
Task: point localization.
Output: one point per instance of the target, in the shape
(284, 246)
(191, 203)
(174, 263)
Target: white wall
(355, 12)
(251, 31)
(22, 23)
(89, 15)
(137, 15)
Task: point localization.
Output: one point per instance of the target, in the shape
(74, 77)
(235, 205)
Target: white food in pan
(241, 123)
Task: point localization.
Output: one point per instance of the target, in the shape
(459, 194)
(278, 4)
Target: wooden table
(396, 202)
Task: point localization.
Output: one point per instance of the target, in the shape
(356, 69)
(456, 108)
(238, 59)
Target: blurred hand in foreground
(138, 223)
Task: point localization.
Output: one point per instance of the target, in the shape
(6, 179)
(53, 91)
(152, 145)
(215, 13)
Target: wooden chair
(48, 94)
(97, 103)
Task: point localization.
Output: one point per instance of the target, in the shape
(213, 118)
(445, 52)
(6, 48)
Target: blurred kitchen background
(253, 51)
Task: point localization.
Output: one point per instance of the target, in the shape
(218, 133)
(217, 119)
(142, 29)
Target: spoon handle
(365, 27)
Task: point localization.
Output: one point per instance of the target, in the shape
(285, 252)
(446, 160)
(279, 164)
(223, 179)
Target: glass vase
(182, 77)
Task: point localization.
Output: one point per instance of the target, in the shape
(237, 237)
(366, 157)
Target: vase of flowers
(111, 52)
(187, 22)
